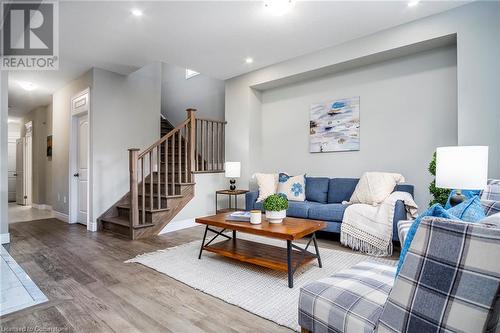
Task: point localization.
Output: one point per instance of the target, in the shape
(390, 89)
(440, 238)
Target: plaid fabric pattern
(403, 227)
(449, 282)
(351, 300)
(490, 207)
(492, 190)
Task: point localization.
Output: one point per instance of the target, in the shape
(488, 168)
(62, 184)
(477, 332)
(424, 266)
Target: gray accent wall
(475, 26)
(408, 107)
(202, 92)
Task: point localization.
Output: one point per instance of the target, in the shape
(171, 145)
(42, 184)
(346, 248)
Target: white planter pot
(275, 217)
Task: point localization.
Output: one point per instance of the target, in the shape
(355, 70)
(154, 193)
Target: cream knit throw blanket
(368, 228)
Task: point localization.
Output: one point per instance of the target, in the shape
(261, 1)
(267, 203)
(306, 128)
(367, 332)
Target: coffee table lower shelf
(265, 255)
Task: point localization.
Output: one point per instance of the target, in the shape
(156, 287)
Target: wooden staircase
(162, 176)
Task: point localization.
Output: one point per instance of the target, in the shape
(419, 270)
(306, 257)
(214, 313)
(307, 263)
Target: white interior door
(28, 169)
(19, 171)
(12, 170)
(82, 174)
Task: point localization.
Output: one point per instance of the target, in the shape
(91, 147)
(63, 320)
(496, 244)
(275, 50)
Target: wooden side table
(230, 195)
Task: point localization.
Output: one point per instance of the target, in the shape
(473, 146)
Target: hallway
(18, 213)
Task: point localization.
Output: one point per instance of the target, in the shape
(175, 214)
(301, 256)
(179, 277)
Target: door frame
(80, 106)
(28, 164)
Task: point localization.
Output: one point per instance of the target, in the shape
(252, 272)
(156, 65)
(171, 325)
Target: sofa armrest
(399, 214)
(251, 199)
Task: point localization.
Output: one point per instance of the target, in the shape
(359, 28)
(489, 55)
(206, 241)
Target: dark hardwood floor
(90, 289)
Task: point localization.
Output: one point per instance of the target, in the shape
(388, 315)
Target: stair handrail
(196, 146)
(189, 140)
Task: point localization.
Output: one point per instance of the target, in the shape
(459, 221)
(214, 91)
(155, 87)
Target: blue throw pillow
(468, 194)
(469, 211)
(435, 210)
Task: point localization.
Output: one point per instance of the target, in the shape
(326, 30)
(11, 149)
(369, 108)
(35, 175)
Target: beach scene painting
(334, 126)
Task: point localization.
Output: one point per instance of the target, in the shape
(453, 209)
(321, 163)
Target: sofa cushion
(492, 190)
(449, 280)
(317, 189)
(328, 212)
(351, 300)
(341, 189)
(300, 208)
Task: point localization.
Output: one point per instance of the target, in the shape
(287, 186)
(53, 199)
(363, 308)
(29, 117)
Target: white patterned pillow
(375, 187)
(294, 187)
(268, 184)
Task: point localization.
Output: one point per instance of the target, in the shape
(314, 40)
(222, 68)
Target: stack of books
(239, 216)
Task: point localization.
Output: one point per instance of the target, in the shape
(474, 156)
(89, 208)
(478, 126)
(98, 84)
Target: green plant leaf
(275, 203)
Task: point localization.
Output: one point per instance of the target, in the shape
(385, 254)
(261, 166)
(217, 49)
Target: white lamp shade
(233, 169)
(462, 167)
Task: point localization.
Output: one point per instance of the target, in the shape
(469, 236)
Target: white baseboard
(5, 238)
(178, 225)
(41, 206)
(61, 216)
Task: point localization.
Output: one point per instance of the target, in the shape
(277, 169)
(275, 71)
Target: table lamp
(233, 170)
(461, 168)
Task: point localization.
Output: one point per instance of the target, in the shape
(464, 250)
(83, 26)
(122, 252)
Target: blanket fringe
(365, 247)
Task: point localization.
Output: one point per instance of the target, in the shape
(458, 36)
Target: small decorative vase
(275, 216)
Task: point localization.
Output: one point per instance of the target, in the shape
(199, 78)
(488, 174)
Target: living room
(359, 141)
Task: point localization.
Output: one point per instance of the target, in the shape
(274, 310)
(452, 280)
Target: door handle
(15, 175)
(76, 175)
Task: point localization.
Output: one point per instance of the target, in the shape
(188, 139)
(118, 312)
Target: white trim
(61, 216)
(178, 225)
(5, 238)
(79, 109)
(41, 206)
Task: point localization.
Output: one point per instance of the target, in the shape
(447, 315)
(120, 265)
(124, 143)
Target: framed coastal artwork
(334, 126)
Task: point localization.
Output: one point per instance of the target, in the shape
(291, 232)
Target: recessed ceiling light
(28, 86)
(249, 60)
(278, 7)
(136, 12)
(413, 3)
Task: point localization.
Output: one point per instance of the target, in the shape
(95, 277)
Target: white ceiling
(213, 38)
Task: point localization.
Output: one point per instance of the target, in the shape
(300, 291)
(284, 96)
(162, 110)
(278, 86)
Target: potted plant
(275, 206)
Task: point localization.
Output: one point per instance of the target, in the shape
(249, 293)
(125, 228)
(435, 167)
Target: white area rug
(258, 290)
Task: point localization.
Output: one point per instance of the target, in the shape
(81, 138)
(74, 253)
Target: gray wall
(4, 114)
(61, 120)
(40, 160)
(201, 92)
(408, 107)
(478, 81)
(125, 114)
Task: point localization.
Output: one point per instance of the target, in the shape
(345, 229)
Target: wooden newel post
(192, 142)
(133, 154)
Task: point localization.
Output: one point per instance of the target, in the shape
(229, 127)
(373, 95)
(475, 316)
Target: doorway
(24, 167)
(80, 160)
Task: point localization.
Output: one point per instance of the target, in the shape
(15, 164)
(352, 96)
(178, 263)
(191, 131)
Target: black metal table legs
(303, 251)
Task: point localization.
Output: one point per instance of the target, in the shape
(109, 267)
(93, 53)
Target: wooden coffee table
(284, 259)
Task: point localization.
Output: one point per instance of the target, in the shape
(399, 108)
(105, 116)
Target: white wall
(203, 203)
(125, 114)
(408, 106)
(201, 92)
(4, 114)
(478, 81)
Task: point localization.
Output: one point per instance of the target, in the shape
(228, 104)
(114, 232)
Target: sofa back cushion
(317, 189)
(341, 189)
(449, 281)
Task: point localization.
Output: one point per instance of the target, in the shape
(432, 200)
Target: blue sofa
(324, 198)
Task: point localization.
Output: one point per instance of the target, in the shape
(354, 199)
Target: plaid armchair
(449, 282)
